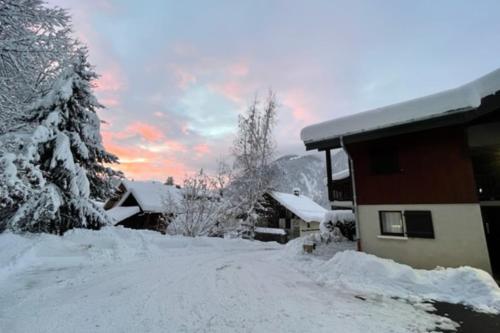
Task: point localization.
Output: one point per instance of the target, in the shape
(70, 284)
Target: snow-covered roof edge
(119, 213)
(461, 99)
(147, 203)
(304, 214)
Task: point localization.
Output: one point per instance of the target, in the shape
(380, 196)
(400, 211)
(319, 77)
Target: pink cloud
(202, 149)
(231, 90)
(239, 69)
(110, 80)
(184, 78)
(146, 131)
(301, 108)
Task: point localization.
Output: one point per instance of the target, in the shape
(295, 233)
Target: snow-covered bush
(343, 221)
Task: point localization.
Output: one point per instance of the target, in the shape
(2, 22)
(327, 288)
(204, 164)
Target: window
(416, 223)
(391, 223)
(384, 161)
(419, 224)
(288, 223)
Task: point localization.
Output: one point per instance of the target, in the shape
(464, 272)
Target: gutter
(354, 197)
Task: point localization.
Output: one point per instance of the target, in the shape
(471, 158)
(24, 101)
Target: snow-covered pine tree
(66, 150)
(253, 151)
(35, 46)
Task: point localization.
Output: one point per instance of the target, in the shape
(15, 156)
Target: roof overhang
(451, 118)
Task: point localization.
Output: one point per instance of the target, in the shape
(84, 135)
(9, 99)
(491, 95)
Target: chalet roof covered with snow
(118, 214)
(302, 206)
(152, 196)
(454, 101)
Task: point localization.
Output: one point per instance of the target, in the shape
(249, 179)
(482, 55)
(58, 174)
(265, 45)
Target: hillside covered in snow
(308, 173)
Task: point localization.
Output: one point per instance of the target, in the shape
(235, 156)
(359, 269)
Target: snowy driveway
(118, 281)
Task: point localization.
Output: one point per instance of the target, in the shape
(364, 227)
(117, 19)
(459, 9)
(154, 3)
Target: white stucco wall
(459, 237)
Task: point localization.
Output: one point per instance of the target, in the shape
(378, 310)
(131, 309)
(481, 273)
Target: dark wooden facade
(149, 221)
(274, 212)
(341, 190)
(434, 168)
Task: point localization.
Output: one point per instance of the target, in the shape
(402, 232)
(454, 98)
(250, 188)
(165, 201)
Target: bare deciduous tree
(199, 211)
(253, 151)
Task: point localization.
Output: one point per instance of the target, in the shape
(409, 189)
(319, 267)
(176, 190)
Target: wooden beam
(329, 174)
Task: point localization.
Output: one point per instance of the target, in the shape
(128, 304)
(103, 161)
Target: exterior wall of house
(458, 230)
(308, 228)
(435, 168)
(436, 174)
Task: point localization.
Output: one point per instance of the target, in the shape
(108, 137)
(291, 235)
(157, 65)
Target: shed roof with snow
(118, 214)
(302, 206)
(453, 102)
(151, 196)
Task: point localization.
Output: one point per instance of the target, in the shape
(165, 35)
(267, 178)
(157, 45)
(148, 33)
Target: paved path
(470, 321)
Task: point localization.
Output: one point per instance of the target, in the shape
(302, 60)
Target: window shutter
(419, 224)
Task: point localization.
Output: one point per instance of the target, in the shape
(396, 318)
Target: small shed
(143, 205)
(295, 213)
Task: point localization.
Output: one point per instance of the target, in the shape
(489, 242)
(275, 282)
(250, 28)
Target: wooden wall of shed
(149, 221)
(435, 168)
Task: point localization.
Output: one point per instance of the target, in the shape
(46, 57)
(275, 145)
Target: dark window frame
(426, 233)
(384, 233)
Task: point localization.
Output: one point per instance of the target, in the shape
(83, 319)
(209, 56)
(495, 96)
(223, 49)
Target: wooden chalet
(143, 205)
(295, 214)
(425, 176)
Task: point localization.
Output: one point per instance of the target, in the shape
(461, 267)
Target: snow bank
(83, 247)
(294, 250)
(370, 274)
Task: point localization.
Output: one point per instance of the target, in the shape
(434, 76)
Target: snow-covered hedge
(343, 220)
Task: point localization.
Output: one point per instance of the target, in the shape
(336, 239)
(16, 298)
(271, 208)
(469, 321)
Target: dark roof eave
(448, 120)
(488, 104)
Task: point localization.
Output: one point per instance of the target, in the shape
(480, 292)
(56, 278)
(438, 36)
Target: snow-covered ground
(119, 280)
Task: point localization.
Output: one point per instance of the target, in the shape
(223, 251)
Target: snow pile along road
(370, 274)
(109, 246)
(117, 279)
(122, 280)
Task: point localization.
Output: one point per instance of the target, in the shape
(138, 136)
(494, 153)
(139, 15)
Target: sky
(176, 74)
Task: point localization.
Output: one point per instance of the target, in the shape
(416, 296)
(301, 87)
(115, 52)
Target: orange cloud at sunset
(140, 162)
(146, 131)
